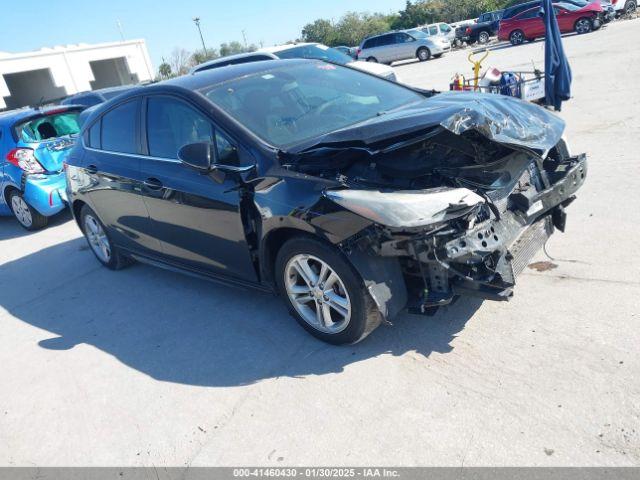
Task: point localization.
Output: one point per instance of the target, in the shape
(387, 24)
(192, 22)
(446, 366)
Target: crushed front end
(480, 249)
(461, 204)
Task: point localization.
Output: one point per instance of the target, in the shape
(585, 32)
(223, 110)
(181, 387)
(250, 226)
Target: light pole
(196, 20)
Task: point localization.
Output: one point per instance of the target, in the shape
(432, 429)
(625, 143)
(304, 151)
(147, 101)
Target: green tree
(321, 31)
(164, 71)
(200, 56)
(233, 48)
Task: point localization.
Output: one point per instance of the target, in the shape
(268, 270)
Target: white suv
(442, 29)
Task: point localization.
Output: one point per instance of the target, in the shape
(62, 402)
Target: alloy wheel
(483, 37)
(97, 238)
(583, 26)
(317, 293)
(517, 38)
(21, 211)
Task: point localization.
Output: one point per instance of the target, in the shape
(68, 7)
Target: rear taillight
(358, 52)
(24, 159)
(468, 30)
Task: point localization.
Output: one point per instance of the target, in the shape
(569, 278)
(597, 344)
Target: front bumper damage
(479, 257)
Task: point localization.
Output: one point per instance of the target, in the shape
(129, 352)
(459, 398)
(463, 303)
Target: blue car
(33, 146)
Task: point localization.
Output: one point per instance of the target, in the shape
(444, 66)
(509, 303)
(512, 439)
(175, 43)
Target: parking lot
(149, 367)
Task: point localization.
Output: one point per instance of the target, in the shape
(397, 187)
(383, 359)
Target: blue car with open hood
(34, 143)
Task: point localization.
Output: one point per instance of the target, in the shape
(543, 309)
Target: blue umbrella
(557, 72)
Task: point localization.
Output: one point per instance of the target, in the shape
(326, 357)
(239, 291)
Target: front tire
(28, 217)
(323, 292)
(630, 6)
(517, 37)
(423, 54)
(101, 245)
(583, 25)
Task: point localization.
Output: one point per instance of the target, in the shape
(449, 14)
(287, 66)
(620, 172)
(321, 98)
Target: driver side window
(171, 124)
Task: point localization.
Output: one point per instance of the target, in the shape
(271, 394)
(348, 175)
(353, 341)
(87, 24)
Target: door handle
(91, 169)
(153, 183)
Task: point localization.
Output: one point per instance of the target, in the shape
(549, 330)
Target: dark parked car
(481, 32)
(95, 97)
(352, 196)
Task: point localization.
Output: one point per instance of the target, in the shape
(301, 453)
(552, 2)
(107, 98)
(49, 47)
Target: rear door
(114, 181)
(531, 23)
(385, 48)
(195, 217)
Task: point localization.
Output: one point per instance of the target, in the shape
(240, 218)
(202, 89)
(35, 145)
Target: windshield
(315, 52)
(290, 104)
(48, 127)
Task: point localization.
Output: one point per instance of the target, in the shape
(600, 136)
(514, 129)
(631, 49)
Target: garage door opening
(33, 87)
(111, 72)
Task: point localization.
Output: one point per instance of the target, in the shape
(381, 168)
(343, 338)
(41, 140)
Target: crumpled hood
(506, 120)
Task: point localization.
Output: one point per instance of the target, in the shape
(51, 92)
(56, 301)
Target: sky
(168, 24)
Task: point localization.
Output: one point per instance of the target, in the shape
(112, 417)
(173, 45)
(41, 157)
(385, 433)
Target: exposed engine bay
(462, 205)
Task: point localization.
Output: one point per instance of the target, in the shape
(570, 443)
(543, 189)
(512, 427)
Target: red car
(529, 25)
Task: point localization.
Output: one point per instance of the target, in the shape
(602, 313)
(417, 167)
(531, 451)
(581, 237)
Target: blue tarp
(557, 72)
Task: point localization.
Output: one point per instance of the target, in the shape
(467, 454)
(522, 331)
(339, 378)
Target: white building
(48, 74)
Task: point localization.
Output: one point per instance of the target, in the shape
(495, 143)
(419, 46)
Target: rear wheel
(630, 6)
(517, 37)
(583, 25)
(372, 59)
(26, 215)
(323, 292)
(101, 246)
(423, 54)
(483, 37)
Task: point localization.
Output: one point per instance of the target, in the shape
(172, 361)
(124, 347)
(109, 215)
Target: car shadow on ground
(10, 228)
(176, 328)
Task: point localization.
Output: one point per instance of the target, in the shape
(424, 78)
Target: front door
(114, 180)
(195, 217)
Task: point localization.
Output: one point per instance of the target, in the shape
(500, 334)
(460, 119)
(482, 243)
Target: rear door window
(433, 30)
(385, 40)
(371, 43)
(119, 128)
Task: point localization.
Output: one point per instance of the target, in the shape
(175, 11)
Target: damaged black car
(352, 197)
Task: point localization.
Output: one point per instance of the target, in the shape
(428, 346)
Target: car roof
(101, 91)
(286, 46)
(237, 56)
(214, 76)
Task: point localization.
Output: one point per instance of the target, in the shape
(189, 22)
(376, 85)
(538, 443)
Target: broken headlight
(407, 209)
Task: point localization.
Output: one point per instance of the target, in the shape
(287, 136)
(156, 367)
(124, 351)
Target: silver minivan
(402, 45)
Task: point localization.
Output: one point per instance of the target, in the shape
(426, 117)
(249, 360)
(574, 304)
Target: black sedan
(351, 196)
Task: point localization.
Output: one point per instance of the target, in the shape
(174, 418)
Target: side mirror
(200, 155)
